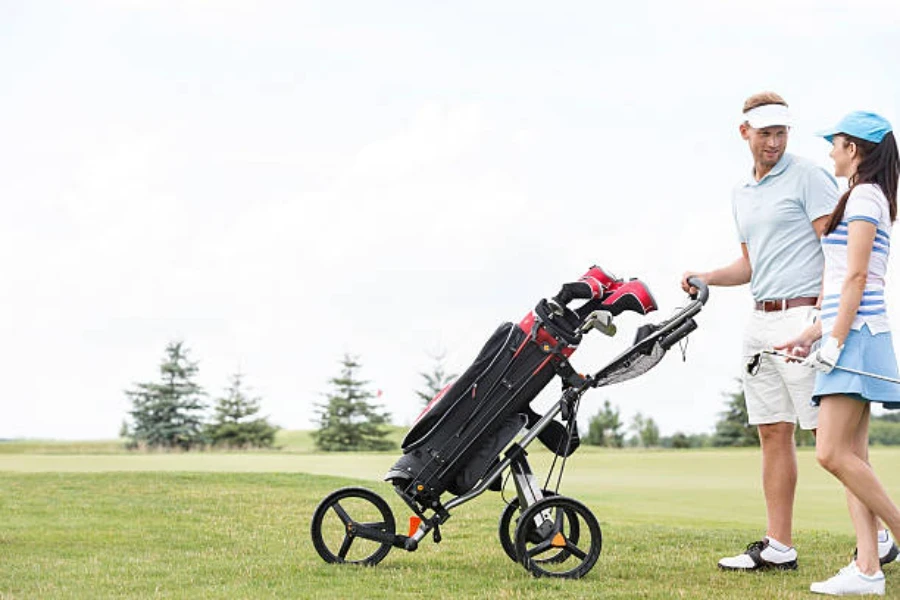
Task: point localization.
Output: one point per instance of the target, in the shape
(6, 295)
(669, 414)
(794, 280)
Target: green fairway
(237, 526)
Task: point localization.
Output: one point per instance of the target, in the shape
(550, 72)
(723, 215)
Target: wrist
(831, 349)
(833, 342)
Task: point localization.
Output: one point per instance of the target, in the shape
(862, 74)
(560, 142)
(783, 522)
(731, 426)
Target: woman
(855, 333)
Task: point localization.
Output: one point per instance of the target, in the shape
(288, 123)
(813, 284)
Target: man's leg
(770, 409)
(779, 475)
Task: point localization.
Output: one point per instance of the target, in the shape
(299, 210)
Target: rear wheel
(507, 530)
(547, 543)
(341, 521)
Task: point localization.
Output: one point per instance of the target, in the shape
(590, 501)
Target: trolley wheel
(336, 521)
(507, 531)
(545, 528)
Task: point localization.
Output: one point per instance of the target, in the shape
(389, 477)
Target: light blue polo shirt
(774, 218)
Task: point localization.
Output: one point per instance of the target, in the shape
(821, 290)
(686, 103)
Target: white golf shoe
(849, 581)
(760, 556)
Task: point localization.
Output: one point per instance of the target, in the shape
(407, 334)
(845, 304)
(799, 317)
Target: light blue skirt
(863, 352)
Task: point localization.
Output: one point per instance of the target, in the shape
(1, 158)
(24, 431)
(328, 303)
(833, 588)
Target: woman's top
(866, 203)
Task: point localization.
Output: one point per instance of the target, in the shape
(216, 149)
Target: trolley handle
(702, 292)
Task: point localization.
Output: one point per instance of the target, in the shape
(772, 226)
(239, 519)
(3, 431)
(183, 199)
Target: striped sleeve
(866, 203)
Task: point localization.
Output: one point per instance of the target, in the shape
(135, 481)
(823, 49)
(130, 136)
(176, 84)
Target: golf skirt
(871, 354)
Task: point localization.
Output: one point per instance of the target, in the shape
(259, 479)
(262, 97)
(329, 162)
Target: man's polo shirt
(774, 218)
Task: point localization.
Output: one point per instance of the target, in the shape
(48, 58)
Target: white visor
(767, 115)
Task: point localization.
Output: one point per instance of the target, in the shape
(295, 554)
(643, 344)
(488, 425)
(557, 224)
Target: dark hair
(880, 165)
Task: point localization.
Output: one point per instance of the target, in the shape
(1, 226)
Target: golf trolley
(463, 442)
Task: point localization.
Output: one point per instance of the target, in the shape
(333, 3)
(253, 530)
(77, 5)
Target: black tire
(507, 531)
(539, 541)
(333, 532)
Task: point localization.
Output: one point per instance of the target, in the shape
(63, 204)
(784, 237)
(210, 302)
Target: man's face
(767, 144)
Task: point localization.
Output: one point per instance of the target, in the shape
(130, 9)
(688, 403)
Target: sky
(278, 184)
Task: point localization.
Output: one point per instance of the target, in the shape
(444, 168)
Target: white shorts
(780, 391)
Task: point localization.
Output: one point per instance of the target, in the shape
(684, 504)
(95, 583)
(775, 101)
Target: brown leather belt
(785, 303)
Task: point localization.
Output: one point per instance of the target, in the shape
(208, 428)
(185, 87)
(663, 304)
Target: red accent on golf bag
(542, 335)
(600, 281)
(596, 284)
(631, 295)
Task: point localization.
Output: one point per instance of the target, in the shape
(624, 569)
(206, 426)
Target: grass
(8, 447)
(220, 525)
(286, 441)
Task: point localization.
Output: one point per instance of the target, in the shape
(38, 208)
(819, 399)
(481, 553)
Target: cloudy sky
(280, 183)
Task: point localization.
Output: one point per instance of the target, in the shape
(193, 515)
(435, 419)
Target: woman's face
(845, 155)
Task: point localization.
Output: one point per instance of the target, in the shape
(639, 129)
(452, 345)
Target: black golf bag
(460, 434)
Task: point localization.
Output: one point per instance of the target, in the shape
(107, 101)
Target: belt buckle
(773, 305)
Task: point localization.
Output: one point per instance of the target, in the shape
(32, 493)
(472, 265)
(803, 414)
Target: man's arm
(820, 224)
(737, 273)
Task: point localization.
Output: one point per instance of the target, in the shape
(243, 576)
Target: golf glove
(826, 357)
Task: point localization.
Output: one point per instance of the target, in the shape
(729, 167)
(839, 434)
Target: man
(780, 211)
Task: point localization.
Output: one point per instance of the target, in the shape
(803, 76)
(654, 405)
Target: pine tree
(733, 428)
(169, 414)
(435, 381)
(233, 425)
(348, 421)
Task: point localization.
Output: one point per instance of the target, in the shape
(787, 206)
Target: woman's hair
(880, 165)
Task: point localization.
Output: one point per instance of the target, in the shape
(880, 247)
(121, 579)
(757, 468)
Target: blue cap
(863, 125)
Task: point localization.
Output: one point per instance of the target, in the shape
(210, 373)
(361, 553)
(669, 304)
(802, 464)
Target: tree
(347, 421)
(645, 430)
(884, 431)
(168, 414)
(733, 429)
(604, 428)
(435, 381)
(233, 425)
(890, 417)
(680, 440)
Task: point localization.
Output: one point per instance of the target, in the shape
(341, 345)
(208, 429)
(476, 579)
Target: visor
(768, 115)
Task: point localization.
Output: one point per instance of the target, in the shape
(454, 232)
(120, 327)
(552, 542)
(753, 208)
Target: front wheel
(558, 537)
(352, 525)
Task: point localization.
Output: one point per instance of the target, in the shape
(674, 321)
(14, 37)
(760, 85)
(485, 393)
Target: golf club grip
(702, 290)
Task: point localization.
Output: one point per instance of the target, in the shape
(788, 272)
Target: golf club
(755, 360)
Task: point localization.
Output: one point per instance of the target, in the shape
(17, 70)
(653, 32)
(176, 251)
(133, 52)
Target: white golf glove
(826, 357)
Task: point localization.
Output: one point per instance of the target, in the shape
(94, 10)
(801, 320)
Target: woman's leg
(837, 450)
(865, 523)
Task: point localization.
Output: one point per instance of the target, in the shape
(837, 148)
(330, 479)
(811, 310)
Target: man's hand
(826, 357)
(801, 345)
(688, 287)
